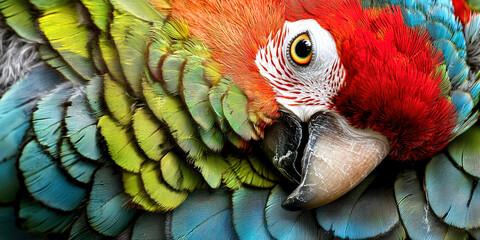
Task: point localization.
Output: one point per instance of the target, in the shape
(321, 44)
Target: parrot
(232, 119)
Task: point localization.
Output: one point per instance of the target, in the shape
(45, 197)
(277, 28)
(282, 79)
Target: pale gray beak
(335, 159)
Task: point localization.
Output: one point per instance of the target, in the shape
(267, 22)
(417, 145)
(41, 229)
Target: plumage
(208, 119)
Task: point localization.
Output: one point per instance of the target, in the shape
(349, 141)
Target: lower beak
(335, 159)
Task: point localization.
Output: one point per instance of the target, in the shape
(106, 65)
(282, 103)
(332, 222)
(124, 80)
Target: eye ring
(301, 49)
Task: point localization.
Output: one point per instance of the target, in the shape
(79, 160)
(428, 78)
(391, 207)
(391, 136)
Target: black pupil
(303, 48)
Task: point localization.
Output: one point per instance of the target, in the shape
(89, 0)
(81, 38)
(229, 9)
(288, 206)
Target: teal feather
(412, 17)
(9, 228)
(248, 213)
(46, 182)
(107, 209)
(81, 230)
(17, 104)
(453, 195)
(82, 128)
(284, 224)
(40, 219)
(367, 211)
(203, 215)
(48, 119)
(417, 217)
(463, 103)
(149, 226)
(78, 168)
(10, 185)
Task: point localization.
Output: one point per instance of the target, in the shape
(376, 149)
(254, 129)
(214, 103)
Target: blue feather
(48, 118)
(203, 215)
(367, 211)
(452, 194)
(413, 17)
(9, 182)
(45, 181)
(475, 91)
(17, 104)
(463, 102)
(107, 209)
(456, 66)
(248, 213)
(285, 224)
(82, 128)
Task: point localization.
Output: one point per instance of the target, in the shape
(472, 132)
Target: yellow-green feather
(166, 197)
(121, 145)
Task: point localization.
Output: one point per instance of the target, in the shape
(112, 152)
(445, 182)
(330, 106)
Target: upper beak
(335, 159)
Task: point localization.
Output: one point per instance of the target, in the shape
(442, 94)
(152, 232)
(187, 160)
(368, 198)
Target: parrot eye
(301, 49)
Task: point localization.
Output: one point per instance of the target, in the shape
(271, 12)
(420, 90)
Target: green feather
(99, 12)
(177, 174)
(118, 101)
(262, 168)
(134, 187)
(149, 134)
(465, 151)
(171, 111)
(195, 93)
(130, 35)
(215, 96)
(163, 195)
(171, 72)
(97, 58)
(48, 4)
(212, 167)
(230, 180)
(70, 39)
(140, 9)
(246, 174)
(19, 17)
(235, 108)
(213, 138)
(156, 52)
(55, 61)
(111, 58)
(121, 145)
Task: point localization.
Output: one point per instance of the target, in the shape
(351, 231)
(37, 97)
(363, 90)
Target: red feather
(391, 84)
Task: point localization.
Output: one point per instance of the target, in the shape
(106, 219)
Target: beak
(333, 156)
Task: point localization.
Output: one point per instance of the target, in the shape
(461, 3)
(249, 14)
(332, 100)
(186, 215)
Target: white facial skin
(302, 89)
(337, 156)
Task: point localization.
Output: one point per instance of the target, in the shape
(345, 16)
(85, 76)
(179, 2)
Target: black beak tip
(292, 204)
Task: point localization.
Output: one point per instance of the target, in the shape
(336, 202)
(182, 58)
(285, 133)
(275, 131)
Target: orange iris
(301, 49)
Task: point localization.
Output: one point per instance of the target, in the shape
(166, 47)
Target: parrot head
(355, 86)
